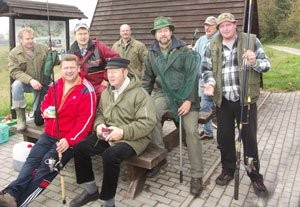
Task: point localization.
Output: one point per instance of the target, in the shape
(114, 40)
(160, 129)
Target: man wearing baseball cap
(173, 68)
(223, 80)
(92, 55)
(206, 104)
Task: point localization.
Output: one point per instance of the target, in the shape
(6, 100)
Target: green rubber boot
(21, 119)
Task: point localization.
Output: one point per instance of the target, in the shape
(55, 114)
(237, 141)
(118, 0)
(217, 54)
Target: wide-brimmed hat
(225, 17)
(115, 63)
(211, 20)
(161, 22)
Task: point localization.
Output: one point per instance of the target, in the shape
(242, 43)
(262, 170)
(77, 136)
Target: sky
(87, 8)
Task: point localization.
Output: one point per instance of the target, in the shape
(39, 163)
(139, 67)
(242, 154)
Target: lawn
(283, 76)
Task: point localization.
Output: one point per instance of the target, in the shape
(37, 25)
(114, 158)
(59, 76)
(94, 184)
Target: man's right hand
(36, 85)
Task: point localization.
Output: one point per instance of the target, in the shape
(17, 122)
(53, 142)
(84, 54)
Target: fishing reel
(53, 164)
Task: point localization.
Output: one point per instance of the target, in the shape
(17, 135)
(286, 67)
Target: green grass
(284, 73)
(5, 84)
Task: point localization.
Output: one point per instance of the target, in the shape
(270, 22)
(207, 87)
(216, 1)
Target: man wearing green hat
(172, 68)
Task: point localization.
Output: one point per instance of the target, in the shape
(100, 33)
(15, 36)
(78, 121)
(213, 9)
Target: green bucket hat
(161, 22)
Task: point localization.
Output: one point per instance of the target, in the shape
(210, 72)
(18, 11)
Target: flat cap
(115, 63)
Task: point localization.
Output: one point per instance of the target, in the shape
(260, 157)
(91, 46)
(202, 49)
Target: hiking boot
(83, 198)
(154, 171)
(196, 186)
(259, 188)
(7, 200)
(21, 119)
(224, 178)
(204, 136)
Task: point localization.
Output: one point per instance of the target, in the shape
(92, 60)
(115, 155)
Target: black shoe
(7, 200)
(196, 186)
(154, 171)
(84, 198)
(204, 136)
(224, 178)
(259, 188)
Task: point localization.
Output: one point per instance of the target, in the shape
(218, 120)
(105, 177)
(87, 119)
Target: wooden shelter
(20, 9)
(187, 15)
(31, 11)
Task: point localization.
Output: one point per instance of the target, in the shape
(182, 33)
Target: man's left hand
(250, 56)
(116, 134)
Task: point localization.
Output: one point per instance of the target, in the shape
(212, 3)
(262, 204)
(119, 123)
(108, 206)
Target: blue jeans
(35, 174)
(18, 89)
(206, 105)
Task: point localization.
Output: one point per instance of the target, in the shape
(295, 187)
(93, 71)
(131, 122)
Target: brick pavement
(279, 149)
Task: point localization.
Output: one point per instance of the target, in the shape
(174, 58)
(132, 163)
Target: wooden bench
(137, 165)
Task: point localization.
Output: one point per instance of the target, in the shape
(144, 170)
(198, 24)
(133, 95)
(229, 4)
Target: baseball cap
(81, 25)
(211, 20)
(225, 17)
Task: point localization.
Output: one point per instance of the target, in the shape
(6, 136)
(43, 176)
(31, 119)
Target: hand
(99, 129)
(208, 89)
(36, 85)
(62, 145)
(184, 108)
(116, 134)
(250, 56)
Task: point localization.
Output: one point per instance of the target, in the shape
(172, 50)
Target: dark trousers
(112, 157)
(227, 114)
(35, 174)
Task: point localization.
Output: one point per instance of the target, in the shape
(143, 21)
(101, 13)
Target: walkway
(290, 50)
(279, 149)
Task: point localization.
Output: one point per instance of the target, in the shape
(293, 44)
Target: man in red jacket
(76, 106)
(92, 55)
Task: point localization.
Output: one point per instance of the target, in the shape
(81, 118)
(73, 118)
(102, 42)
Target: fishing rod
(242, 99)
(194, 36)
(180, 150)
(60, 164)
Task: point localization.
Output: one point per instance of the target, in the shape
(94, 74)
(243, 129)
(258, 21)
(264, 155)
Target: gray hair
(24, 30)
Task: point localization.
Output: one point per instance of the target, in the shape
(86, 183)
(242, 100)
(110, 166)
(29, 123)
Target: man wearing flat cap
(125, 117)
(206, 104)
(92, 55)
(223, 60)
(173, 68)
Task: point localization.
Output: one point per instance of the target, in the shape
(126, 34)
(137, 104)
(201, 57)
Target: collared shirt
(117, 92)
(230, 72)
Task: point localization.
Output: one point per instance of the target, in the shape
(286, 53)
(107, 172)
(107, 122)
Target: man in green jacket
(25, 63)
(172, 67)
(223, 78)
(131, 49)
(124, 119)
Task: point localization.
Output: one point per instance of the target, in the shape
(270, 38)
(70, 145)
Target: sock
(110, 202)
(90, 187)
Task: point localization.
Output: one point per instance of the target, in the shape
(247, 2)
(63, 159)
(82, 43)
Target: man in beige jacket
(131, 49)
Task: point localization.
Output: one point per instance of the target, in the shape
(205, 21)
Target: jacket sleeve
(206, 66)
(85, 118)
(106, 51)
(17, 67)
(149, 76)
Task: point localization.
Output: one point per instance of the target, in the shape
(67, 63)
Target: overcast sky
(86, 6)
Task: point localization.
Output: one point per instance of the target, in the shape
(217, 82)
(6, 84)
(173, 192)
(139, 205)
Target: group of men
(126, 96)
